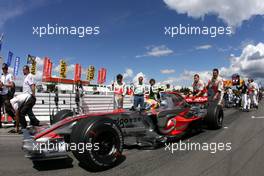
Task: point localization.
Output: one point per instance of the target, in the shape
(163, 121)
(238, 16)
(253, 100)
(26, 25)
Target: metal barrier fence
(45, 104)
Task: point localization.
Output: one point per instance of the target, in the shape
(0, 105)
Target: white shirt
(139, 89)
(28, 82)
(119, 89)
(6, 79)
(19, 100)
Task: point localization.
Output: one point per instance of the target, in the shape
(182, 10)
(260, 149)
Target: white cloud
(167, 71)
(128, 73)
(203, 47)
(232, 12)
(249, 64)
(70, 69)
(157, 51)
(135, 79)
(13, 8)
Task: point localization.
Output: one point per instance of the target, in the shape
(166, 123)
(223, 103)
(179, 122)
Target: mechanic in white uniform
(139, 91)
(253, 92)
(18, 107)
(29, 86)
(6, 84)
(198, 86)
(119, 91)
(216, 88)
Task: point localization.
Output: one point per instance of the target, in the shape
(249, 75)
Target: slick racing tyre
(61, 115)
(105, 139)
(215, 116)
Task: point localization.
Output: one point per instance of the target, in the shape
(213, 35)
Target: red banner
(77, 72)
(47, 68)
(101, 76)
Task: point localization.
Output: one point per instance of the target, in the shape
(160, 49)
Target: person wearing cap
(6, 85)
(29, 87)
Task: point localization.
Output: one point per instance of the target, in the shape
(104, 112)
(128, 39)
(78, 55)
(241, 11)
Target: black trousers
(26, 109)
(3, 98)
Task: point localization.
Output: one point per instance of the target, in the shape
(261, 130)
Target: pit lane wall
(45, 104)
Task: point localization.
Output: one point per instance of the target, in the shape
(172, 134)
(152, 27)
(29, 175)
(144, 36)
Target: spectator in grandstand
(7, 87)
(119, 92)
(215, 88)
(29, 87)
(139, 91)
(198, 86)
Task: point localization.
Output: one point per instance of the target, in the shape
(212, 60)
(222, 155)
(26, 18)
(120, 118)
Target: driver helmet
(151, 104)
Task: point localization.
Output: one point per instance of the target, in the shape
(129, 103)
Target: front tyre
(105, 140)
(215, 116)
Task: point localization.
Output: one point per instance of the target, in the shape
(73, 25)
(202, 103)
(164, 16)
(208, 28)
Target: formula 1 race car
(97, 140)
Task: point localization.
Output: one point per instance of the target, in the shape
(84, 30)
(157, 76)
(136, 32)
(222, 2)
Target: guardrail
(90, 103)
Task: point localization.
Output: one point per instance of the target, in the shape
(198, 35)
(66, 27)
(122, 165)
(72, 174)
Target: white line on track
(261, 117)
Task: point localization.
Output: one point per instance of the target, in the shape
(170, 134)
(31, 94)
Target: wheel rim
(107, 144)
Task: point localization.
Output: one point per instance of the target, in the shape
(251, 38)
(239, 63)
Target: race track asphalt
(245, 132)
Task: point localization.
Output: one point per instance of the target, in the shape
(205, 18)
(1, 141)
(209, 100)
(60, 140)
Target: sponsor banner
(47, 68)
(33, 67)
(16, 67)
(77, 72)
(101, 76)
(63, 69)
(90, 73)
(9, 59)
(30, 59)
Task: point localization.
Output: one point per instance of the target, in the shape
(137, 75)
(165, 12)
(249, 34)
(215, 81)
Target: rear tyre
(105, 139)
(215, 116)
(61, 115)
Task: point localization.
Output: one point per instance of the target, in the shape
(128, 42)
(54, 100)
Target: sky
(132, 39)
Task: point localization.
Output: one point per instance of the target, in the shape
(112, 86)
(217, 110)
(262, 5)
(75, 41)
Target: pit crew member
(153, 90)
(18, 107)
(215, 88)
(253, 92)
(139, 91)
(198, 86)
(119, 91)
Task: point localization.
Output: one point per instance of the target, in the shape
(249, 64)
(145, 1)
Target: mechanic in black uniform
(153, 90)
